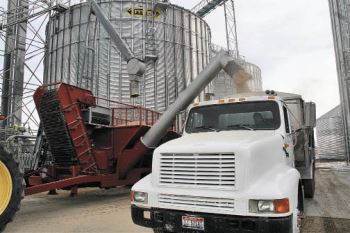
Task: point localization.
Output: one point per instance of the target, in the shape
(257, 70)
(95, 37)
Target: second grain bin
(330, 135)
(224, 86)
(174, 42)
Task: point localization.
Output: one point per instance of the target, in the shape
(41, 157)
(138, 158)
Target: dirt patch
(329, 210)
(93, 211)
(332, 197)
(325, 225)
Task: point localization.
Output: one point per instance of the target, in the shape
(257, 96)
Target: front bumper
(159, 218)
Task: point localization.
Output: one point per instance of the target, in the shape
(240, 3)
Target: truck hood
(223, 141)
(257, 154)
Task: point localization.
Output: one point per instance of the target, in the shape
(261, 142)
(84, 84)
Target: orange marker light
(221, 101)
(241, 99)
(231, 100)
(281, 205)
(195, 104)
(271, 98)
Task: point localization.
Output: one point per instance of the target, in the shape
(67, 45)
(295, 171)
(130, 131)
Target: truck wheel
(300, 209)
(299, 219)
(11, 191)
(309, 184)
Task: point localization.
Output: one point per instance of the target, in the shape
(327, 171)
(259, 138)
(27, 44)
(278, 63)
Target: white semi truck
(243, 164)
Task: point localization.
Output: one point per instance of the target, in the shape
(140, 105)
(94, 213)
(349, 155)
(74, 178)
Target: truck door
(296, 119)
(288, 139)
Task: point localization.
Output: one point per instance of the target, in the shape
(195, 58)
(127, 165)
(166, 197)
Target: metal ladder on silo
(151, 51)
(87, 68)
(150, 43)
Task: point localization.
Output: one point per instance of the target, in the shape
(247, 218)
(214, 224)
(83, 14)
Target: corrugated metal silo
(330, 135)
(224, 86)
(180, 39)
(340, 18)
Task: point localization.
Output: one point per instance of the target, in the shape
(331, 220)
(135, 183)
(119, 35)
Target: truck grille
(208, 170)
(199, 202)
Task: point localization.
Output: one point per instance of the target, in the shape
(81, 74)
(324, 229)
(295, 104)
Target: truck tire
(309, 184)
(301, 207)
(11, 192)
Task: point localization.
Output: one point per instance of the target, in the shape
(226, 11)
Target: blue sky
(291, 41)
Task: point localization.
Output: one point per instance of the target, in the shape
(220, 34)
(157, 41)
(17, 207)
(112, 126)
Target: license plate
(193, 222)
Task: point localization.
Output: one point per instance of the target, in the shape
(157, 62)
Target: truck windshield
(260, 115)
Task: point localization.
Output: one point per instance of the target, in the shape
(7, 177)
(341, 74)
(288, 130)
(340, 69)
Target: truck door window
(196, 120)
(296, 118)
(259, 115)
(286, 119)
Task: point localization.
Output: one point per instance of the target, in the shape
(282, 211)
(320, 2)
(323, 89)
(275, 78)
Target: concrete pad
(329, 210)
(104, 211)
(332, 196)
(92, 211)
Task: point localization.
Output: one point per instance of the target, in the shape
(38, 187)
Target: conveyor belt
(56, 130)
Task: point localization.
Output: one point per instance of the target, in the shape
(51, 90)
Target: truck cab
(243, 164)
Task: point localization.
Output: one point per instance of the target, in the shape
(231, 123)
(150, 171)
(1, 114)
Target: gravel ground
(329, 210)
(93, 210)
(101, 211)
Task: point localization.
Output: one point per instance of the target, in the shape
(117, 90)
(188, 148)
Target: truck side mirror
(310, 114)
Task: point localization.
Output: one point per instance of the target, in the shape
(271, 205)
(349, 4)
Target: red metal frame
(111, 156)
(126, 114)
(71, 98)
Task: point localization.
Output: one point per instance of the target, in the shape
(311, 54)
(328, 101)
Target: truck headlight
(269, 206)
(266, 206)
(139, 197)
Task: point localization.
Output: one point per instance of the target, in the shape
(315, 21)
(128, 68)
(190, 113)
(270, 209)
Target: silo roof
(335, 112)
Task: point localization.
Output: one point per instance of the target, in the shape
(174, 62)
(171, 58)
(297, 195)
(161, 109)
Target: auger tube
(136, 67)
(221, 62)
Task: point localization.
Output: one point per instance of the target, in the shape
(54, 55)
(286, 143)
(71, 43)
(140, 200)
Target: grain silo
(174, 42)
(224, 86)
(330, 135)
(340, 19)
